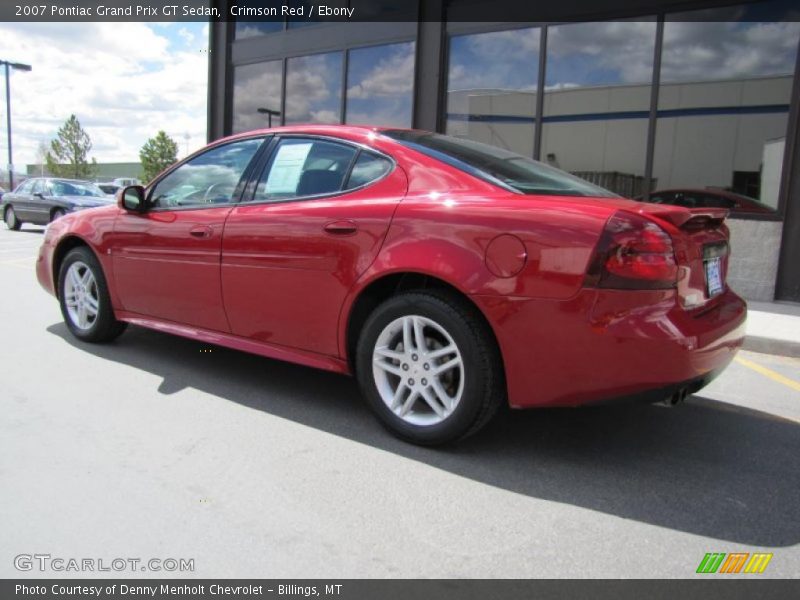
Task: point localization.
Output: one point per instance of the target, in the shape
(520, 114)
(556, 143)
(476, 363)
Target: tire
(83, 296)
(400, 385)
(57, 214)
(10, 217)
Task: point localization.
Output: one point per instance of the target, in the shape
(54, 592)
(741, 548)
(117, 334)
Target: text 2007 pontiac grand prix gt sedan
(447, 275)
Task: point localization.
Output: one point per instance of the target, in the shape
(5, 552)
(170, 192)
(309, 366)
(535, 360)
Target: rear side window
(304, 168)
(368, 168)
(497, 166)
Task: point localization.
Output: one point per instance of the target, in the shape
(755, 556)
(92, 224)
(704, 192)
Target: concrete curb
(772, 346)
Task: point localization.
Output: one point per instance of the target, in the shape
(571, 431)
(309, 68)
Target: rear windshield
(495, 165)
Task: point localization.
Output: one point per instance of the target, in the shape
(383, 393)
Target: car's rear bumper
(605, 344)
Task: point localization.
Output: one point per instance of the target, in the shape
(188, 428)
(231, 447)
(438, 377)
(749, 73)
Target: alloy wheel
(418, 370)
(81, 295)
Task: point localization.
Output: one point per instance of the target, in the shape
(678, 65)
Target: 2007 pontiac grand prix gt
(447, 275)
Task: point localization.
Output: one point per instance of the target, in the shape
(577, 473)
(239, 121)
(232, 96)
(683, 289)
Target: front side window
(305, 167)
(500, 167)
(206, 180)
(38, 187)
(25, 187)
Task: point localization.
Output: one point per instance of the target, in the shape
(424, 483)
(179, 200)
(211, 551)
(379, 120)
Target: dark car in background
(40, 200)
(709, 198)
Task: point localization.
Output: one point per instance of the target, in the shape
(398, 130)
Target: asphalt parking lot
(156, 446)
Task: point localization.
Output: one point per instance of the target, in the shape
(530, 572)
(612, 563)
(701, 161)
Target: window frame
(240, 186)
(265, 162)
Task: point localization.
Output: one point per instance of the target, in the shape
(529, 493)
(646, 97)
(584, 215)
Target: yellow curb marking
(795, 385)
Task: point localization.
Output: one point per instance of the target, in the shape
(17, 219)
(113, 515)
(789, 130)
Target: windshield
(75, 188)
(498, 166)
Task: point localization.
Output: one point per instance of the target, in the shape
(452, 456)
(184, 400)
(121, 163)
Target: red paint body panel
(608, 343)
(285, 277)
(309, 359)
(162, 270)
(270, 279)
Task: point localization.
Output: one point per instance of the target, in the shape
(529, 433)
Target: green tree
(68, 152)
(157, 154)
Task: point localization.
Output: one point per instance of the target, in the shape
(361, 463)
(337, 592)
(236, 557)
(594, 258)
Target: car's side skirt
(302, 357)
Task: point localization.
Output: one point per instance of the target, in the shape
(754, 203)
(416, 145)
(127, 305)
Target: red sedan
(447, 275)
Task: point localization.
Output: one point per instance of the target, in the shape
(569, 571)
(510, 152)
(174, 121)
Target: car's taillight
(633, 253)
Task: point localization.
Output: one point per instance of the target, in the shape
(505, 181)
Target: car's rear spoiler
(688, 218)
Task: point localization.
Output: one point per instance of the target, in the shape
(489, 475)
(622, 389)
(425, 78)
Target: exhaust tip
(675, 399)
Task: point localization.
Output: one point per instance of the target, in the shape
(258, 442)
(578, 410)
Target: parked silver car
(40, 200)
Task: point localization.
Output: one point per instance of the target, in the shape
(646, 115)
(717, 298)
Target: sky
(123, 81)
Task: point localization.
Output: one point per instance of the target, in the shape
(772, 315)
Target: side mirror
(132, 199)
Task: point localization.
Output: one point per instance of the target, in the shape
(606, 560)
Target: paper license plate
(714, 276)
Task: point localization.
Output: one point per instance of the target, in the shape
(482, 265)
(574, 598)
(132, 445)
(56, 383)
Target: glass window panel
(367, 169)
(723, 103)
(246, 28)
(208, 179)
(380, 85)
(314, 88)
(256, 90)
(597, 101)
(491, 88)
(303, 168)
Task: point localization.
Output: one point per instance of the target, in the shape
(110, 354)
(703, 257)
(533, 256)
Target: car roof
(351, 132)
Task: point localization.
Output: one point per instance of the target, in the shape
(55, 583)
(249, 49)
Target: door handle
(201, 231)
(343, 227)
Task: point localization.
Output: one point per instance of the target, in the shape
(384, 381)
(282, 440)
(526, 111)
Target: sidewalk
(773, 328)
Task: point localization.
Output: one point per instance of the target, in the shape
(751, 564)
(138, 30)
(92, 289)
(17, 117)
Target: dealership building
(639, 96)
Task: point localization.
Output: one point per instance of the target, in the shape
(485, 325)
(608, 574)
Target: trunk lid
(702, 250)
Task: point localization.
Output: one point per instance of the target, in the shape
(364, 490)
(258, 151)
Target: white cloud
(256, 86)
(312, 89)
(124, 82)
(392, 76)
(622, 52)
(696, 51)
(187, 35)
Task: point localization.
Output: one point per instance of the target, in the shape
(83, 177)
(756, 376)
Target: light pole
(20, 67)
(269, 112)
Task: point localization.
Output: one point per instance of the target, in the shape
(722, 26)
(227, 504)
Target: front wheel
(429, 367)
(10, 217)
(83, 295)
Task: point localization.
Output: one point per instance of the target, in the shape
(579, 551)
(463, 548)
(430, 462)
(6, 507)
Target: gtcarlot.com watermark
(48, 563)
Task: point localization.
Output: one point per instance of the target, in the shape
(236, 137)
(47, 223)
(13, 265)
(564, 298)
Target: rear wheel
(84, 299)
(10, 217)
(428, 365)
(57, 214)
